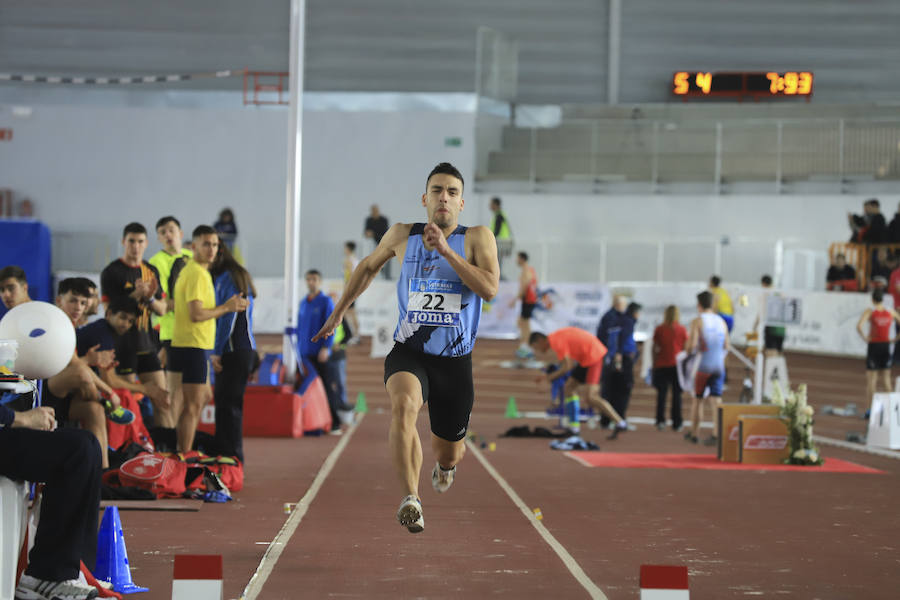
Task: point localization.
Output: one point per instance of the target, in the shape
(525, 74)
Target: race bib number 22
(434, 302)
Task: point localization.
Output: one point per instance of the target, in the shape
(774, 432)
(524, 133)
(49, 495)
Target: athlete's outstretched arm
(363, 275)
(482, 277)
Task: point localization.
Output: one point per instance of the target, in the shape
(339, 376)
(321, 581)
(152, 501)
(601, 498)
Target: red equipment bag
(160, 474)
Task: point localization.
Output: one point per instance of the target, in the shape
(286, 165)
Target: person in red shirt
(894, 289)
(878, 354)
(582, 353)
(668, 340)
(528, 295)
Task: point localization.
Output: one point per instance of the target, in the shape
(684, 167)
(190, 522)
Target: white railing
(658, 151)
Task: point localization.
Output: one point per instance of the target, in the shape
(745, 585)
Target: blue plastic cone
(112, 558)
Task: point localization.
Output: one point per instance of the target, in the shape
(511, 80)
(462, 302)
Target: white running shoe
(441, 480)
(410, 514)
(32, 588)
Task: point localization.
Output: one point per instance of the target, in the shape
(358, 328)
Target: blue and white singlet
(712, 343)
(438, 314)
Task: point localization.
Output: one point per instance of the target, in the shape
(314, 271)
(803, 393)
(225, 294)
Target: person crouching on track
(581, 353)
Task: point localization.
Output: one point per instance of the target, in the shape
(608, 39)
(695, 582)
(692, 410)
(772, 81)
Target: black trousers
(663, 379)
(616, 386)
(229, 398)
(330, 375)
(68, 462)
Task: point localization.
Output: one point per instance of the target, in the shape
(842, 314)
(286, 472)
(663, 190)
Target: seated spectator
(67, 461)
(870, 227)
(883, 264)
(109, 334)
(77, 393)
(13, 286)
(841, 276)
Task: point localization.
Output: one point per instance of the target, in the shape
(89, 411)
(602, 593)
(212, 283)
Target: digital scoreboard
(757, 84)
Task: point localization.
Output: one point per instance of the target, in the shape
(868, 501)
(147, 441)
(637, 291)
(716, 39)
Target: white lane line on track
(563, 554)
(276, 547)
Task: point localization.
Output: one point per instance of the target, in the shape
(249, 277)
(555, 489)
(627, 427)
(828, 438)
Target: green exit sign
(452, 142)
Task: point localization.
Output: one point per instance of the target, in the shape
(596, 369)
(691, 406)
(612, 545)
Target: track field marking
(277, 546)
(563, 554)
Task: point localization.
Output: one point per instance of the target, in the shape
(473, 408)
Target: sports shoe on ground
(32, 588)
(524, 352)
(660, 426)
(120, 416)
(691, 438)
(616, 432)
(441, 480)
(593, 422)
(410, 514)
(336, 431)
(710, 441)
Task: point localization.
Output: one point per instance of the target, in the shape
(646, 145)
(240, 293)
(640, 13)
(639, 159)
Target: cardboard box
(729, 435)
(764, 440)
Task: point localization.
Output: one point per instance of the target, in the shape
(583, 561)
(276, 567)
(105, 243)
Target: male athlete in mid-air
(446, 272)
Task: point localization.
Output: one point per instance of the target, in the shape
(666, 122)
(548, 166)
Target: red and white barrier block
(197, 577)
(663, 582)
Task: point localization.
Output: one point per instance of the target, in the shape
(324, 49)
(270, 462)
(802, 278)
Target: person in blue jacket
(234, 352)
(315, 308)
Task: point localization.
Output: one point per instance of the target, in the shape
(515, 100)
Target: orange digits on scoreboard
(704, 82)
(790, 83)
(773, 78)
(804, 86)
(681, 83)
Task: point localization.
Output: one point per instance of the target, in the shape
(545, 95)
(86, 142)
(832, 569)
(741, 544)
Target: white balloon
(45, 336)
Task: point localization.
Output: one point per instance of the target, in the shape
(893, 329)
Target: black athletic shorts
(192, 363)
(59, 405)
(773, 339)
(527, 310)
(446, 387)
(878, 356)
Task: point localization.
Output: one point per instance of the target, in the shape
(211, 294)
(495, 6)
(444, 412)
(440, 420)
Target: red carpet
(702, 461)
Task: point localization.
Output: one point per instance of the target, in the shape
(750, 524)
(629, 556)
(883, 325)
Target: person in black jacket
(68, 462)
(870, 227)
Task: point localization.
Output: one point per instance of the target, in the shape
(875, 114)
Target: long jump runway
(742, 534)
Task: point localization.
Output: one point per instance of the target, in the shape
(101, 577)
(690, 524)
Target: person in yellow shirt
(194, 334)
(721, 301)
(169, 260)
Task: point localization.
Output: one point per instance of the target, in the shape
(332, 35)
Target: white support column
(613, 54)
(294, 166)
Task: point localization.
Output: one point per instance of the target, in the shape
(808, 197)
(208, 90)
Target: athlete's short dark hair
(76, 285)
(133, 227)
(314, 272)
(351, 246)
(496, 200)
(536, 336)
(766, 280)
(201, 230)
(704, 299)
(715, 281)
(523, 256)
(873, 202)
(88, 283)
(125, 304)
(445, 168)
(15, 272)
(877, 295)
(166, 220)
